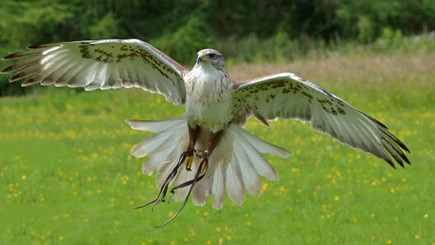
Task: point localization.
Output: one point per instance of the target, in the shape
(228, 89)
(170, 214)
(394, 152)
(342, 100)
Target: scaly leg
(202, 170)
(193, 136)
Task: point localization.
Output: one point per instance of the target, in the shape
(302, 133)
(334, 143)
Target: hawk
(206, 152)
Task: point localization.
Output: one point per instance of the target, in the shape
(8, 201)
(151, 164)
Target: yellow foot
(189, 160)
(204, 166)
(204, 163)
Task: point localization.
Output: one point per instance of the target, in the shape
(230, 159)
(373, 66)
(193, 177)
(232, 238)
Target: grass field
(67, 176)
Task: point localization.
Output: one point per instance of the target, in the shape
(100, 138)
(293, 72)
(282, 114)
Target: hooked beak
(201, 59)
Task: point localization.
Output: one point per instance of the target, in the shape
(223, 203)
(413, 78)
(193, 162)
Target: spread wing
(288, 96)
(103, 64)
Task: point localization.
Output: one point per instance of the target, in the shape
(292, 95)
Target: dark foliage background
(247, 30)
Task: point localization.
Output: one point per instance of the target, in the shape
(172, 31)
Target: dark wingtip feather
(395, 139)
(7, 69)
(396, 156)
(11, 56)
(404, 157)
(388, 160)
(35, 46)
(17, 76)
(374, 120)
(39, 46)
(18, 55)
(385, 130)
(20, 75)
(395, 152)
(399, 160)
(403, 146)
(29, 51)
(400, 143)
(18, 66)
(30, 81)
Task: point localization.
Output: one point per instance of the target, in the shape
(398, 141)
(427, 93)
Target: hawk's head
(212, 57)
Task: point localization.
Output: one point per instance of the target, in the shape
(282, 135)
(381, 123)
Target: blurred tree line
(238, 28)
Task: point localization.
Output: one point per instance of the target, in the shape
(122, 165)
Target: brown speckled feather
(288, 96)
(103, 64)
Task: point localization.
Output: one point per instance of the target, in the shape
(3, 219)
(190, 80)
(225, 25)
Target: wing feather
(288, 96)
(103, 64)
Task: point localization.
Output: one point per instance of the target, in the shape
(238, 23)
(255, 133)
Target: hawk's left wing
(288, 96)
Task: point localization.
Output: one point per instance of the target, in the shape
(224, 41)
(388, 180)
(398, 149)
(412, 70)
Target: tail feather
(218, 187)
(156, 143)
(154, 126)
(148, 146)
(261, 145)
(250, 177)
(202, 190)
(151, 164)
(233, 183)
(260, 164)
(234, 167)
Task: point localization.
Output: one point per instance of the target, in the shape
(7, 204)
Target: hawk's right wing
(103, 64)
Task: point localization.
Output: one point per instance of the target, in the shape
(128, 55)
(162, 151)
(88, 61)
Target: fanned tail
(235, 165)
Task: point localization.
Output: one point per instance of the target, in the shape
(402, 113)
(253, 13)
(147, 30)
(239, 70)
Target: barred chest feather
(208, 98)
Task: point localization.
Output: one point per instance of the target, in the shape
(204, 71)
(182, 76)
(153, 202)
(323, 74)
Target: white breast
(208, 98)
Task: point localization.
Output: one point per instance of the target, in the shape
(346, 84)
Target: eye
(212, 56)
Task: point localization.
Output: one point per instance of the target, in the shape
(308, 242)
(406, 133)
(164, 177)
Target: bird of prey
(206, 152)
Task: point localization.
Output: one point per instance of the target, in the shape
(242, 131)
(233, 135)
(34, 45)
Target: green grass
(66, 174)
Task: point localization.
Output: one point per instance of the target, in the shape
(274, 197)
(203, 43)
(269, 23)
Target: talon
(189, 160)
(204, 166)
(164, 188)
(198, 176)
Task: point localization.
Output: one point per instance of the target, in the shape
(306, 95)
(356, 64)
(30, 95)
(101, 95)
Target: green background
(66, 174)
